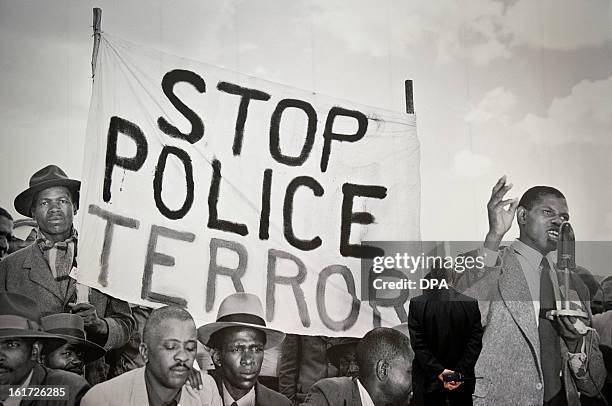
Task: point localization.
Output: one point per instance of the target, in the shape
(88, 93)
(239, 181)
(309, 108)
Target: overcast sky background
(522, 88)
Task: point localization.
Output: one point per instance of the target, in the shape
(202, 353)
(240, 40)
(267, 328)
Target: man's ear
(215, 354)
(144, 352)
(37, 347)
(382, 370)
(521, 215)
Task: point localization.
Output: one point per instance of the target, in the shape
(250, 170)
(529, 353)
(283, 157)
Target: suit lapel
(40, 273)
(356, 395)
(515, 293)
(38, 378)
(139, 392)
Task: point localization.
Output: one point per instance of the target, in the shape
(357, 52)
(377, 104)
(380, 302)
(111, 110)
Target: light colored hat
(71, 328)
(241, 310)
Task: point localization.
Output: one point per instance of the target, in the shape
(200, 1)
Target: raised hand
(500, 218)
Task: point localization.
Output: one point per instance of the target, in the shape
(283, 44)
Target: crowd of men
(489, 339)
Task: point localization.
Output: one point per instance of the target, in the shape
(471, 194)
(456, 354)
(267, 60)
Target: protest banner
(199, 181)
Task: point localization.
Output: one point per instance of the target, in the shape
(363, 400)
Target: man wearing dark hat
(21, 340)
(169, 349)
(44, 269)
(77, 351)
(238, 339)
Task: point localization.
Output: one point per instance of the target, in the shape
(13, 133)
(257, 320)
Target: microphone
(566, 263)
(566, 247)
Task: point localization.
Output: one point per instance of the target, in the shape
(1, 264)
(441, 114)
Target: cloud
(468, 164)
(478, 30)
(494, 106)
(584, 116)
(560, 24)
(455, 29)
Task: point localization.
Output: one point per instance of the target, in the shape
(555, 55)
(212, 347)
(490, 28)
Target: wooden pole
(409, 97)
(97, 21)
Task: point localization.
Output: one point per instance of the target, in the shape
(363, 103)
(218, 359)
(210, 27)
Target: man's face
(67, 357)
(17, 358)
(6, 230)
(399, 383)
(53, 210)
(170, 354)
(347, 364)
(540, 225)
(240, 359)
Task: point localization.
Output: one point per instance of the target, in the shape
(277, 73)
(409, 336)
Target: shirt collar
(153, 396)
(246, 400)
(366, 400)
(533, 257)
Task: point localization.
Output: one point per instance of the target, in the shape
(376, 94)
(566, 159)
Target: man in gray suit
(528, 358)
(45, 270)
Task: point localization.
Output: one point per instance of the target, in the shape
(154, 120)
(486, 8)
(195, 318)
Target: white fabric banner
(200, 181)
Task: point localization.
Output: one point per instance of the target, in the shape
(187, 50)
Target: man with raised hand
(528, 357)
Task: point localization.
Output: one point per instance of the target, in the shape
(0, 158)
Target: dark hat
(20, 318)
(341, 347)
(45, 178)
(241, 310)
(71, 328)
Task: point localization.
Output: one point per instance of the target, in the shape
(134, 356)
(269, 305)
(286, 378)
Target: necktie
(234, 404)
(550, 348)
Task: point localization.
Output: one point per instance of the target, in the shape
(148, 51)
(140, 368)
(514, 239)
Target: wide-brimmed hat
(47, 177)
(20, 318)
(343, 345)
(241, 310)
(71, 328)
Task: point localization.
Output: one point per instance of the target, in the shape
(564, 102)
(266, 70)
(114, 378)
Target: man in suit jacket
(528, 358)
(238, 339)
(446, 336)
(169, 349)
(384, 357)
(21, 342)
(45, 269)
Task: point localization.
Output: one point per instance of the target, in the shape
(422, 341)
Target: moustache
(180, 366)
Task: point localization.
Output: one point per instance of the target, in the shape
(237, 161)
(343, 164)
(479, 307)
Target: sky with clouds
(521, 88)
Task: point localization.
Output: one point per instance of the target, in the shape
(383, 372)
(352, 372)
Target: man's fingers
(513, 206)
(507, 202)
(499, 194)
(500, 183)
(80, 306)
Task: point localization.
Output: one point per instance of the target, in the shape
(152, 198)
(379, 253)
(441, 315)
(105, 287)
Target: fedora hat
(241, 310)
(71, 328)
(47, 177)
(20, 318)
